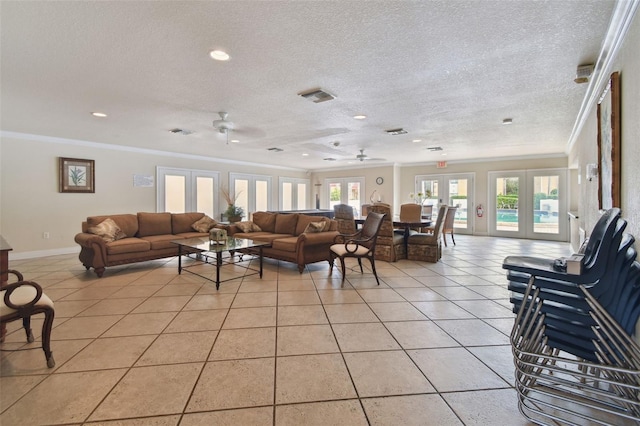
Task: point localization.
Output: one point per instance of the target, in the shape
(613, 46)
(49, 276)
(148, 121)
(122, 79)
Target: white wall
(31, 204)
(585, 148)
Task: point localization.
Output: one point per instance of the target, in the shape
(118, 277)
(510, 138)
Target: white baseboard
(42, 253)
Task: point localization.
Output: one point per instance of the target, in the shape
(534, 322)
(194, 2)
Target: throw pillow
(248, 226)
(107, 230)
(314, 227)
(204, 224)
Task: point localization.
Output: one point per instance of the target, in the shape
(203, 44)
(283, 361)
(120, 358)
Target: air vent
(329, 159)
(181, 132)
(275, 149)
(434, 148)
(399, 131)
(317, 95)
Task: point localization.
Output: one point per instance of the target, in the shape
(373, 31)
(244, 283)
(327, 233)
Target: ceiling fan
(224, 126)
(364, 157)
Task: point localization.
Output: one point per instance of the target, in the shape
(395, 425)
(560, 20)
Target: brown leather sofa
(289, 241)
(145, 236)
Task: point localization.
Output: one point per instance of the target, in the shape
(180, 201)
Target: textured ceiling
(446, 71)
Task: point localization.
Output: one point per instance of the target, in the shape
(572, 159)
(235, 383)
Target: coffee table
(204, 252)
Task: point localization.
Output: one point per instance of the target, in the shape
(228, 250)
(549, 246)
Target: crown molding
(111, 147)
(621, 19)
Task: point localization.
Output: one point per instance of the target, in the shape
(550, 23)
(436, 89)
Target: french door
(345, 191)
(294, 193)
(253, 192)
(184, 190)
(453, 190)
(528, 204)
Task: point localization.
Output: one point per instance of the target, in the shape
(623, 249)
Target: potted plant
(233, 213)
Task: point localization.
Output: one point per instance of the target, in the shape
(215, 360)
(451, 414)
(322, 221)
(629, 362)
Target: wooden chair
(365, 209)
(361, 245)
(344, 216)
(427, 247)
(22, 300)
(390, 246)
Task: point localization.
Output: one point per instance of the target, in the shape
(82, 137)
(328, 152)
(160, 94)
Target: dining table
(401, 224)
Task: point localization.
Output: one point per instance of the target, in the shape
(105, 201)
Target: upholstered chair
(390, 246)
(427, 247)
(410, 212)
(343, 214)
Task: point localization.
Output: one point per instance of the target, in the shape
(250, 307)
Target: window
(184, 190)
(294, 193)
(345, 191)
(253, 192)
(451, 189)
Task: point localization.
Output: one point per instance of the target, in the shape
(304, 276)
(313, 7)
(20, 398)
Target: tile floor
(144, 345)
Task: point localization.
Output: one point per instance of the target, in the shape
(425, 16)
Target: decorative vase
(234, 219)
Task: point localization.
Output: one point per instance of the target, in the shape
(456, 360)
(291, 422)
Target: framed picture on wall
(76, 175)
(609, 178)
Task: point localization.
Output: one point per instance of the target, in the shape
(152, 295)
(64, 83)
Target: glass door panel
(262, 196)
(241, 191)
(355, 198)
(506, 217)
(287, 199)
(458, 197)
(335, 194)
(545, 204)
(175, 195)
(549, 200)
(205, 200)
(302, 196)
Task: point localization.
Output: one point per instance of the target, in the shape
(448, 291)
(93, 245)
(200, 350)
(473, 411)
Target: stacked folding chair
(575, 361)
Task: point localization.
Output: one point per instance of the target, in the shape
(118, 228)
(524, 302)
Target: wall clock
(379, 180)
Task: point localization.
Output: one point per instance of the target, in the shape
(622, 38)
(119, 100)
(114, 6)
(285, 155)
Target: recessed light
(305, 155)
(360, 117)
(444, 154)
(234, 141)
(507, 121)
(219, 55)
(416, 140)
(99, 114)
